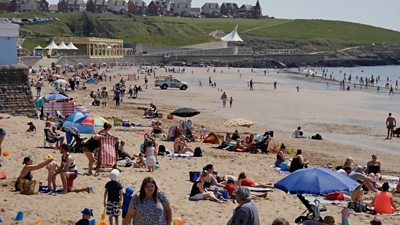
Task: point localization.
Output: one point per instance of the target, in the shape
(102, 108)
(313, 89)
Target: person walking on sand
(113, 197)
(297, 88)
(251, 85)
(224, 98)
(391, 90)
(230, 102)
(390, 124)
(246, 213)
(275, 83)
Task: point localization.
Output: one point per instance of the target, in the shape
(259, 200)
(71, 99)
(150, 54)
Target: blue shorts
(2, 132)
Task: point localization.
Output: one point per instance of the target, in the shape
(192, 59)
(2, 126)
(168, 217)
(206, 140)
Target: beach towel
(79, 108)
(108, 153)
(258, 189)
(183, 155)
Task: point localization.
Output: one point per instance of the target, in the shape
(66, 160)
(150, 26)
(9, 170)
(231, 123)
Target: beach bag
(357, 206)
(194, 175)
(28, 187)
(197, 152)
(161, 150)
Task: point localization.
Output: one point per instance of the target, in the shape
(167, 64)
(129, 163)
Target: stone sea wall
(15, 92)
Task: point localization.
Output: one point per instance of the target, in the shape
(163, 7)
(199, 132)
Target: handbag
(29, 187)
(357, 206)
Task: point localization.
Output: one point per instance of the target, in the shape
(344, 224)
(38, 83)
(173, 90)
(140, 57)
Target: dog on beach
(31, 128)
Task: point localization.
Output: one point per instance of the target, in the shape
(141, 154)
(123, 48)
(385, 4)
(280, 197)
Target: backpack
(161, 150)
(197, 152)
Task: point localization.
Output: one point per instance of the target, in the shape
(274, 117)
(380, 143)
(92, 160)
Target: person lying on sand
(243, 180)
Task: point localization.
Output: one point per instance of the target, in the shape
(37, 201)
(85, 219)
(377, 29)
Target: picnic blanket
(183, 155)
(65, 108)
(258, 189)
(108, 152)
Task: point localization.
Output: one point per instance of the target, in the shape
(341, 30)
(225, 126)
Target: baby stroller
(313, 211)
(77, 142)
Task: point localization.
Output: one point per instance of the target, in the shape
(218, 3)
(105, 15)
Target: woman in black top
(199, 192)
(28, 168)
(280, 156)
(298, 162)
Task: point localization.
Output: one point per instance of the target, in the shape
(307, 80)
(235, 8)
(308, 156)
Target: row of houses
(138, 7)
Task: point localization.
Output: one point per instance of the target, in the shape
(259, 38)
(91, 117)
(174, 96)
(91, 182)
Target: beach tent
(71, 46)
(52, 45)
(62, 46)
(232, 36)
(39, 102)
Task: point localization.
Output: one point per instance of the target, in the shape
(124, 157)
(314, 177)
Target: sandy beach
(351, 123)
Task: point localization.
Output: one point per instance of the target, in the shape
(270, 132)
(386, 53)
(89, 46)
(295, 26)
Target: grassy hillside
(309, 35)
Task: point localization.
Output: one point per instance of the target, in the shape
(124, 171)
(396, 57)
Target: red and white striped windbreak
(108, 151)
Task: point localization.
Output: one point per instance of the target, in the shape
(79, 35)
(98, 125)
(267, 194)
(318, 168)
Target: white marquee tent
(71, 46)
(52, 45)
(233, 36)
(62, 46)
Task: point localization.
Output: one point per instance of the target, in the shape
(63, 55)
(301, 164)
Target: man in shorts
(390, 124)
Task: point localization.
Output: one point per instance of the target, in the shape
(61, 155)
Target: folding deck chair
(107, 153)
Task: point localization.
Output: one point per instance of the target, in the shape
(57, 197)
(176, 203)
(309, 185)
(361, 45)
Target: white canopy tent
(71, 46)
(52, 45)
(233, 36)
(39, 47)
(62, 46)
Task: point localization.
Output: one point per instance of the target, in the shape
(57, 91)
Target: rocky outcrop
(15, 92)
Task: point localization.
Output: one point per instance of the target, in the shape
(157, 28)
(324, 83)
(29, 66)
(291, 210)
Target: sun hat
(87, 211)
(114, 174)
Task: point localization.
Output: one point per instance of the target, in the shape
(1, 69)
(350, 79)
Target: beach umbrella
(238, 123)
(56, 97)
(96, 121)
(72, 121)
(185, 112)
(316, 181)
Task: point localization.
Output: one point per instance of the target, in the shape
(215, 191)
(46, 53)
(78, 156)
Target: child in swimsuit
(51, 176)
(140, 162)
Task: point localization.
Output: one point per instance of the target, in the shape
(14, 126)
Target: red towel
(108, 151)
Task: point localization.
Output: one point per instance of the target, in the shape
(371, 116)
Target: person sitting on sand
(199, 192)
(122, 154)
(157, 129)
(211, 177)
(25, 173)
(383, 201)
(230, 187)
(280, 156)
(235, 135)
(180, 146)
(140, 162)
(243, 180)
(226, 142)
(248, 143)
(298, 133)
(374, 167)
(86, 215)
(298, 162)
